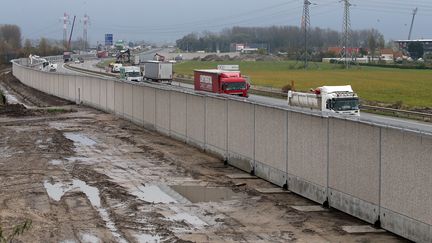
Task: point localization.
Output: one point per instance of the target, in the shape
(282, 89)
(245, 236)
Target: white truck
(131, 73)
(158, 71)
(46, 66)
(49, 67)
(329, 99)
(116, 67)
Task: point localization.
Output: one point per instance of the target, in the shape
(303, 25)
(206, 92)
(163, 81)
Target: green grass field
(386, 85)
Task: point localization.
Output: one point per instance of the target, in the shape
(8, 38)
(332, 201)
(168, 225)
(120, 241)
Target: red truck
(221, 82)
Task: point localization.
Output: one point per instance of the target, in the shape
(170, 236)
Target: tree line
(11, 45)
(277, 39)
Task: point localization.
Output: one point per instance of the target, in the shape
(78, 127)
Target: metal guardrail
(91, 72)
(399, 113)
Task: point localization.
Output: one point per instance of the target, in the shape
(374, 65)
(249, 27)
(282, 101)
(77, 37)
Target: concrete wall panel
(118, 98)
(406, 174)
(53, 80)
(80, 88)
(128, 100)
(110, 97)
(163, 111)
(241, 128)
(178, 114)
(103, 92)
(56, 85)
(196, 119)
(217, 124)
(72, 90)
(61, 86)
(307, 147)
(270, 137)
(47, 82)
(307, 156)
(95, 91)
(270, 144)
(354, 163)
(149, 106)
(87, 83)
(138, 104)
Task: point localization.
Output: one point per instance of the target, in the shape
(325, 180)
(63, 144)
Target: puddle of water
(197, 194)
(78, 159)
(89, 238)
(55, 162)
(146, 238)
(191, 219)
(10, 99)
(153, 194)
(79, 138)
(68, 241)
(57, 190)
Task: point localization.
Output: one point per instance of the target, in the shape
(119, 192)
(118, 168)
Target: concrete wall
(354, 166)
(195, 120)
(241, 135)
(163, 109)
(307, 155)
(178, 115)
(270, 144)
(216, 125)
(374, 173)
(406, 184)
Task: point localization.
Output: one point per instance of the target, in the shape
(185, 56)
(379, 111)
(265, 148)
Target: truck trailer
(329, 99)
(158, 71)
(131, 73)
(221, 82)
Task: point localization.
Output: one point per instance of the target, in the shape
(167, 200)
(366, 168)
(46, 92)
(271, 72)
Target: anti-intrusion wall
(378, 174)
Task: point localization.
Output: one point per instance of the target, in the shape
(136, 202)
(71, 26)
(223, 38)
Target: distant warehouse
(427, 44)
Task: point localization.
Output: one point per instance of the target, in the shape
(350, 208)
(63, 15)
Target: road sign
(109, 39)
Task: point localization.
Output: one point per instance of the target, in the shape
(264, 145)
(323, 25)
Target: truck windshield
(133, 74)
(345, 104)
(235, 86)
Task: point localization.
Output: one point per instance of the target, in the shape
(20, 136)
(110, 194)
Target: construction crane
(67, 55)
(159, 57)
(123, 56)
(412, 23)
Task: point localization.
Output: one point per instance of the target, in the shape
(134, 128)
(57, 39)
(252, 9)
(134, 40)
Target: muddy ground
(87, 176)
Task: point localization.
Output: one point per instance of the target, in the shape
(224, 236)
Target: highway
(365, 117)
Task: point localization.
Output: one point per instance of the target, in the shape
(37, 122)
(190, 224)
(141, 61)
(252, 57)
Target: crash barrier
(376, 173)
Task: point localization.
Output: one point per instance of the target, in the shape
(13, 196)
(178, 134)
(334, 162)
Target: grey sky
(168, 20)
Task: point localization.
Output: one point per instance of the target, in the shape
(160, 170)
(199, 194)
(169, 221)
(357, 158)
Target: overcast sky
(167, 20)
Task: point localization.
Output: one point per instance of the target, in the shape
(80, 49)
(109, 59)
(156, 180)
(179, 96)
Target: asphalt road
(365, 117)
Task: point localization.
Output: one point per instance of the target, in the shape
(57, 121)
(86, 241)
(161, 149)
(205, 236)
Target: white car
(77, 61)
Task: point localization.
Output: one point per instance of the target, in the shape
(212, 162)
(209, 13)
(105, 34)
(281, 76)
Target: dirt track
(87, 176)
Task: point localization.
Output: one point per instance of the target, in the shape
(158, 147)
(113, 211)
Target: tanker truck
(329, 99)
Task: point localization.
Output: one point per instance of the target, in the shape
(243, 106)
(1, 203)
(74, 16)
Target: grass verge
(383, 85)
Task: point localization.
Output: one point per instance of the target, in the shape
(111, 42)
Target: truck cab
(234, 84)
(131, 74)
(340, 100)
(67, 56)
(49, 67)
(116, 67)
(329, 99)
